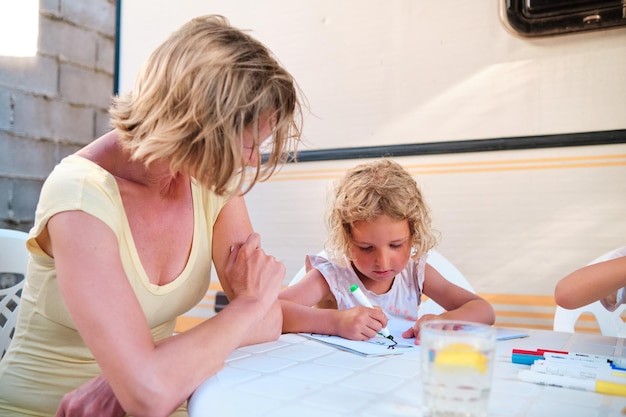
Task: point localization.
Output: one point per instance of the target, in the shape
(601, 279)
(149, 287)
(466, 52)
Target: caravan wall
(518, 143)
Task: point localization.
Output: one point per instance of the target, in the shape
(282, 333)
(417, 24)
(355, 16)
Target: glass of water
(457, 366)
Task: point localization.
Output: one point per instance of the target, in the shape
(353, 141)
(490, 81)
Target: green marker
(365, 302)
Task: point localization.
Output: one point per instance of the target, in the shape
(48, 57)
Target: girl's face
(379, 250)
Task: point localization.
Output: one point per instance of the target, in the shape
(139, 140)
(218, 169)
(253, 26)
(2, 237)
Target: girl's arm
(459, 303)
(591, 283)
(297, 302)
(301, 314)
(151, 379)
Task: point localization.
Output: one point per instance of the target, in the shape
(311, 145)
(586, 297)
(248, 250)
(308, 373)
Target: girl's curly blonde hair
(370, 190)
(196, 95)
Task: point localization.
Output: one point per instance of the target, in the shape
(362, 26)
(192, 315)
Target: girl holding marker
(380, 236)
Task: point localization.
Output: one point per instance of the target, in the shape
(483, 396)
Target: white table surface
(298, 377)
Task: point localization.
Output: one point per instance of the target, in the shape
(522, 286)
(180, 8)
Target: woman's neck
(108, 152)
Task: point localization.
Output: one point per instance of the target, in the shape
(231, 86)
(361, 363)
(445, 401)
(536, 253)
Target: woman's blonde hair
(196, 95)
(370, 190)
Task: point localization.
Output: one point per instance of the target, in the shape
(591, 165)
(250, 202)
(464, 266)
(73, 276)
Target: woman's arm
(233, 226)
(591, 283)
(150, 379)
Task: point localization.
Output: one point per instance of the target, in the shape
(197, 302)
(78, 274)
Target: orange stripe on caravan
(521, 168)
(525, 314)
(506, 299)
(520, 299)
(526, 161)
(481, 166)
(215, 286)
(523, 326)
(184, 323)
(207, 303)
(594, 330)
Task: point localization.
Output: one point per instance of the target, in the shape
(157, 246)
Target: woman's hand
(251, 273)
(93, 398)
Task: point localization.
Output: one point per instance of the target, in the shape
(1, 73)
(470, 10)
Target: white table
(298, 377)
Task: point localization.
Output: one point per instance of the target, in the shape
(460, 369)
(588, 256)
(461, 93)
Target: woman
(127, 229)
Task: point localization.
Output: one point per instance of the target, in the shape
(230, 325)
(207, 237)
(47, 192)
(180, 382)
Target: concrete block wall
(54, 103)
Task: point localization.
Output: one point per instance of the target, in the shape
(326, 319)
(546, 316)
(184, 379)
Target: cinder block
(51, 7)
(18, 203)
(65, 149)
(26, 157)
(103, 123)
(25, 198)
(96, 14)
(41, 117)
(6, 150)
(6, 110)
(105, 54)
(81, 86)
(68, 42)
(39, 124)
(6, 187)
(34, 74)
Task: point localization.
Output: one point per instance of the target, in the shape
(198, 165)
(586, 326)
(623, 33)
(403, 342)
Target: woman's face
(250, 151)
(380, 249)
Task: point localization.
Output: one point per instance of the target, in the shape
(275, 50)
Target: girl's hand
(415, 330)
(360, 323)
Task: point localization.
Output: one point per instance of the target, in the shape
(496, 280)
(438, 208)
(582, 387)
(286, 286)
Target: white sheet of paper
(380, 345)
(376, 346)
(506, 333)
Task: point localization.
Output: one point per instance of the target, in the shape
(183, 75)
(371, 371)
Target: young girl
(379, 239)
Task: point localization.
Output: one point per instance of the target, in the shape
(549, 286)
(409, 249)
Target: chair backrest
(449, 272)
(609, 322)
(437, 261)
(302, 272)
(13, 262)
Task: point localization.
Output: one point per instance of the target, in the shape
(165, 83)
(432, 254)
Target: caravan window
(553, 17)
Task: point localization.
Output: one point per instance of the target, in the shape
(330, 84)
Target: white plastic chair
(609, 322)
(13, 260)
(302, 272)
(449, 272)
(435, 260)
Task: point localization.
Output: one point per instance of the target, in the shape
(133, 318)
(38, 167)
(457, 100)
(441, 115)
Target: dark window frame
(608, 137)
(533, 18)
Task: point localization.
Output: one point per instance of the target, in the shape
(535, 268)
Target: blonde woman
(380, 235)
(127, 228)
